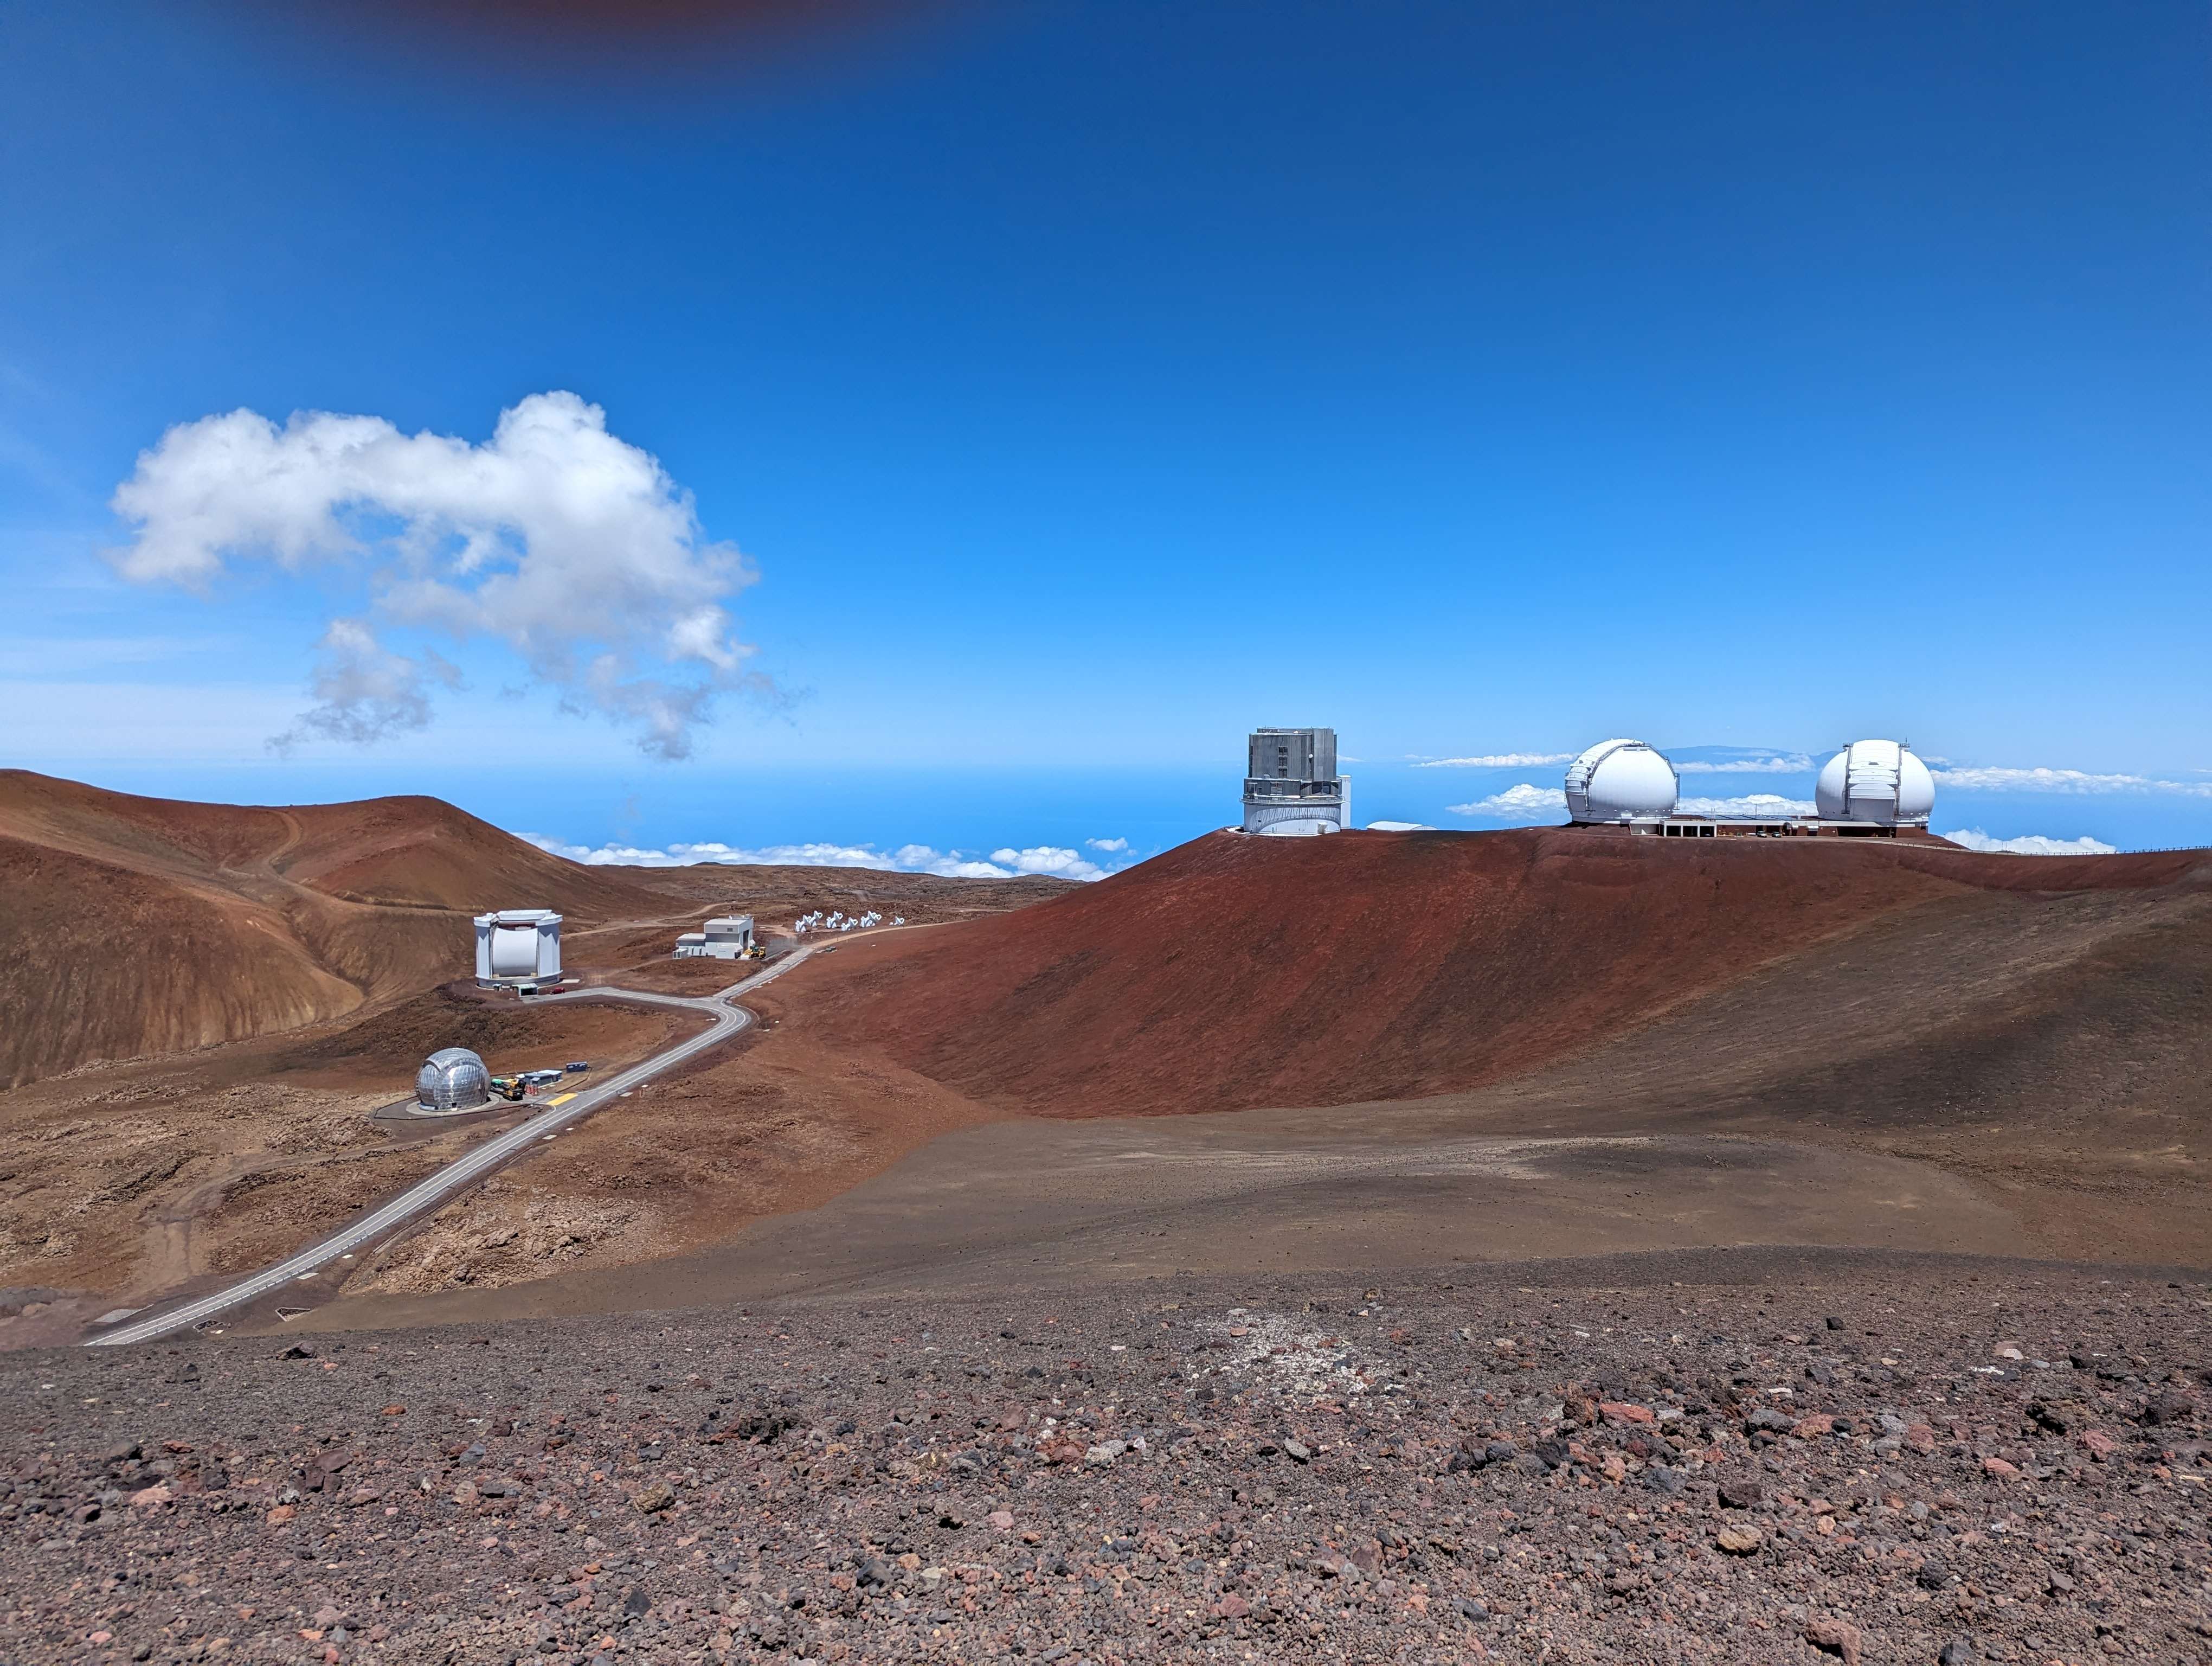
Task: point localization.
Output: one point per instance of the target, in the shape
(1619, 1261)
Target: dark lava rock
(1742, 1492)
(2171, 1406)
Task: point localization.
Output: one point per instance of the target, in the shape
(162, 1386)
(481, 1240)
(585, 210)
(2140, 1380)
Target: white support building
(730, 938)
(519, 945)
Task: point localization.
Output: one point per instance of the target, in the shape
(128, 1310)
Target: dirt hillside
(130, 925)
(1236, 972)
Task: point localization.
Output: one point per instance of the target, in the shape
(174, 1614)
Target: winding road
(430, 1193)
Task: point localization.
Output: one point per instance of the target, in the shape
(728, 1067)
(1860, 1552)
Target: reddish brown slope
(424, 851)
(99, 960)
(1237, 972)
(132, 925)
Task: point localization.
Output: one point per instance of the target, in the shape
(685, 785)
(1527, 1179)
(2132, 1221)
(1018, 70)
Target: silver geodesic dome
(452, 1078)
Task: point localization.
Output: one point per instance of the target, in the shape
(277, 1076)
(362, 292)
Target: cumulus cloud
(554, 538)
(2075, 781)
(1776, 765)
(1004, 863)
(1526, 802)
(2031, 844)
(1048, 859)
(1748, 804)
(1108, 845)
(1496, 761)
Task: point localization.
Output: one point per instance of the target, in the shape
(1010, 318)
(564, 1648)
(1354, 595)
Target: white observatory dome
(452, 1078)
(1620, 780)
(1875, 781)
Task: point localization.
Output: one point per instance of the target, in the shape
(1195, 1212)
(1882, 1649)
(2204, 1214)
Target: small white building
(519, 945)
(730, 938)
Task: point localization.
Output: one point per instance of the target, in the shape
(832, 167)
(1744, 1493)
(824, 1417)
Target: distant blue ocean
(653, 808)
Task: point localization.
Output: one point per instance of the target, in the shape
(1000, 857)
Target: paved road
(476, 1163)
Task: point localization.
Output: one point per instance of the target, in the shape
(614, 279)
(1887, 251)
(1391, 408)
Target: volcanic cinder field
(1532, 1245)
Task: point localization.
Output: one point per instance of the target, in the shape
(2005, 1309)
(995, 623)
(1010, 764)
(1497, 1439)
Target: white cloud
(2031, 844)
(1006, 863)
(1526, 802)
(568, 545)
(1110, 845)
(1749, 804)
(364, 690)
(1797, 765)
(1498, 761)
(1399, 827)
(1054, 860)
(2072, 781)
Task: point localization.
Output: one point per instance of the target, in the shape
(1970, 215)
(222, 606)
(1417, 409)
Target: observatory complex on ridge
(1873, 790)
(1870, 789)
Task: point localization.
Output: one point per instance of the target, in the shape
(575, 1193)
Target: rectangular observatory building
(519, 945)
(1292, 786)
(730, 938)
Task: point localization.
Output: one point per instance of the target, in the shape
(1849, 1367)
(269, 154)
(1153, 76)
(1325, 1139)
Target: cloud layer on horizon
(2030, 844)
(1748, 804)
(1793, 764)
(570, 547)
(1004, 863)
(2069, 781)
(1526, 802)
(1495, 761)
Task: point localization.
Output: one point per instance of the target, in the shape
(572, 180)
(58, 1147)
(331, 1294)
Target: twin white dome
(1870, 780)
(1621, 780)
(1875, 781)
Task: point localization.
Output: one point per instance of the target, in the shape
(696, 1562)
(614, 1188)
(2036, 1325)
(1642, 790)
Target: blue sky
(1042, 395)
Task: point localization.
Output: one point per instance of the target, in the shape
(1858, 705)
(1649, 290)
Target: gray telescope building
(1291, 784)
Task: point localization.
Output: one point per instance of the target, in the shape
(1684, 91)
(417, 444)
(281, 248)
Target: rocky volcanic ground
(1854, 1459)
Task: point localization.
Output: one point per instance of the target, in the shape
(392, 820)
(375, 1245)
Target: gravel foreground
(1917, 1461)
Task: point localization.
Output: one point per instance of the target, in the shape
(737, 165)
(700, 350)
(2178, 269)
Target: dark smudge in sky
(618, 40)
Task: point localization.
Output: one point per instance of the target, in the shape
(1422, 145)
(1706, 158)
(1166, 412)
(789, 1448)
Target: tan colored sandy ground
(757, 1131)
(131, 1180)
